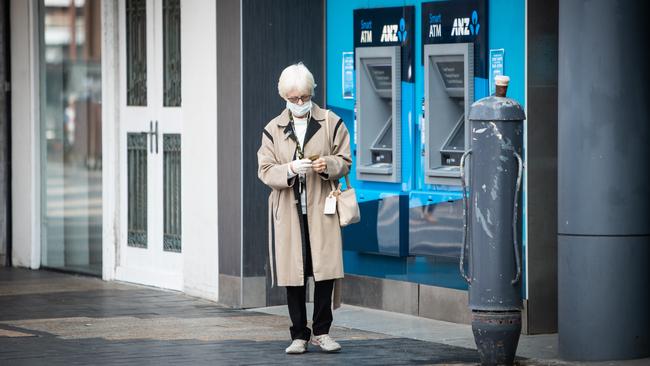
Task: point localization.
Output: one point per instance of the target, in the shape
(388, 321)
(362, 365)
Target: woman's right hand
(300, 166)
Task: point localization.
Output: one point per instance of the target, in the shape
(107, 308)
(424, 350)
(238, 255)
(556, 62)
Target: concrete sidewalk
(540, 347)
(535, 349)
(49, 318)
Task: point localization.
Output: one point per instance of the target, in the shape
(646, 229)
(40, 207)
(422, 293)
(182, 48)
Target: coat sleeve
(270, 171)
(338, 164)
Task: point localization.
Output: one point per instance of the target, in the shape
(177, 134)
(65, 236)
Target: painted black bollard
(492, 234)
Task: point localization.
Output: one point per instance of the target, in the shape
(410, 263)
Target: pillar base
(603, 297)
(496, 335)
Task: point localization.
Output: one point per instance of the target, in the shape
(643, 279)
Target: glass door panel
(71, 135)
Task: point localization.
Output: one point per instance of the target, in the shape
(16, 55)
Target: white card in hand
(330, 205)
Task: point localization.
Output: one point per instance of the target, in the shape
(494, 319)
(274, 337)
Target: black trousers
(322, 319)
(296, 298)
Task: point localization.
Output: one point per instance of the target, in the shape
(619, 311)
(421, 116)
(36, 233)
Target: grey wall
(5, 138)
(542, 166)
(273, 35)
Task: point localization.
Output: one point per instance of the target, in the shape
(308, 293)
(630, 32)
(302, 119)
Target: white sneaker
(298, 346)
(326, 343)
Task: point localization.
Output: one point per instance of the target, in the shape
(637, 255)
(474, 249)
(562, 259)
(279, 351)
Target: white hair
(297, 78)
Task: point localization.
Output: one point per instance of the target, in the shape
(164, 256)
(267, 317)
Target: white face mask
(299, 110)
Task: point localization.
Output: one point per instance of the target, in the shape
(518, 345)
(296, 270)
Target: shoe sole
(324, 350)
(296, 353)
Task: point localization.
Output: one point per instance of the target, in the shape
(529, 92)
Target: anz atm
(453, 43)
(384, 67)
(454, 60)
(384, 73)
(410, 129)
(378, 113)
(448, 94)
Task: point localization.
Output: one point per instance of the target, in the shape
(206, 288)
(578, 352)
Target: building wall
(233, 52)
(199, 143)
(273, 35)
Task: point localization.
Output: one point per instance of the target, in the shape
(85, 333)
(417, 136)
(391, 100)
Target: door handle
(156, 133)
(150, 133)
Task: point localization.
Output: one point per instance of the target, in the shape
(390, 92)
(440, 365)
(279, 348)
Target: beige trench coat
(274, 155)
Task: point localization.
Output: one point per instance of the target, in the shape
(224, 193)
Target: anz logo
(463, 26)
(394, 33)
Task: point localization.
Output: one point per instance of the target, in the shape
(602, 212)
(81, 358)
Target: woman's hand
(319, 165)
(300, 166)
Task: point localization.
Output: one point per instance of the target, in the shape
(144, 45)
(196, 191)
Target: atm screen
(381, 77)
(452, 73)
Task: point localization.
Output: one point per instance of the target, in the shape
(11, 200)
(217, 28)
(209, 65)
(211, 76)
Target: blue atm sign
(377, 27)
(458, 21)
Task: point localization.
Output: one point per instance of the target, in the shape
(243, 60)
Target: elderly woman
(304, 152)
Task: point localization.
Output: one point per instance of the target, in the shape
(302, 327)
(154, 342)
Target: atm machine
(449, 93)
(454, 42)
(378, 81)
(378, 160)
(382, 168)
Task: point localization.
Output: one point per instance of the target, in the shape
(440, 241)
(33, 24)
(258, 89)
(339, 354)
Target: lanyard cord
(300, 153)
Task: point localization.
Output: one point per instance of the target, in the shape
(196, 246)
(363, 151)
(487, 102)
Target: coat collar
(317, 117)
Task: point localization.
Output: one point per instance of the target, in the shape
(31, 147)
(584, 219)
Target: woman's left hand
(319, 165)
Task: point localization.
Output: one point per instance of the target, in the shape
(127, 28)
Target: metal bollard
(494, 264)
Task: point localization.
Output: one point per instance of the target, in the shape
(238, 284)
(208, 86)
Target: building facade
(130, 131)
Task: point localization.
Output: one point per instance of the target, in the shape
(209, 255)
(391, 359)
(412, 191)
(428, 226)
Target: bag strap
(329, 141)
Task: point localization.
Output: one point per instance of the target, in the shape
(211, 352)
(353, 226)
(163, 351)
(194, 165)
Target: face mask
(299, 110)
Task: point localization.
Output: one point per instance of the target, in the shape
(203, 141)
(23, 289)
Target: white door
(150, 250)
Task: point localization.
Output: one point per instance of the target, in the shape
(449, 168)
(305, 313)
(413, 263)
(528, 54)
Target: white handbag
(346, 200)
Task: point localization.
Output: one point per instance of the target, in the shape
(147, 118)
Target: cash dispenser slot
(449, 91)
(378, 113)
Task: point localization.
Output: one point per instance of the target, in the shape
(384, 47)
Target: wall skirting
(407, 298)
